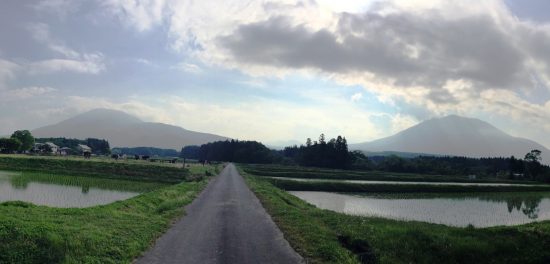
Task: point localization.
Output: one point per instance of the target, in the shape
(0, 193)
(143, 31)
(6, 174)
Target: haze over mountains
(451, 135)
(124, 130)
(456, 136)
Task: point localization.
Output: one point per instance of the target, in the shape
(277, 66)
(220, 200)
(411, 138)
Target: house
(45, 148)
(65, 151)
(52, 147)
(84, 149)
(37, 148)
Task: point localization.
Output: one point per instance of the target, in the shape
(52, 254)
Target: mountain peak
(103, 114)
(456, 136)
(124, 130)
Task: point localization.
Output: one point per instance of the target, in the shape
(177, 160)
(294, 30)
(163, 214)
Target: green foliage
(190, 152)
(236, 151)
(26, 139)
(9, 145)
(331, 154)
(323, 236)
(113, 233)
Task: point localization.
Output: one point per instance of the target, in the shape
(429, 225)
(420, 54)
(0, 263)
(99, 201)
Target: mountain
(124, 130)
(456, 136)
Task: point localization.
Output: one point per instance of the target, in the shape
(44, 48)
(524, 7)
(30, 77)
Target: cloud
(73, 61)
(243, 119)
(7, 72)
(59, 7)
(402, 49)
(356, 97)
(187, 67)
(25, 93)
(90, 64)
(139, 14)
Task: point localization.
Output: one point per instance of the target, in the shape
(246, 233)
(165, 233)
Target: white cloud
(59, 7)
(25, 93)
(73, 61)
(90, 64)
(356, 97)
(187, 67)
(139, 14)
(7, 72)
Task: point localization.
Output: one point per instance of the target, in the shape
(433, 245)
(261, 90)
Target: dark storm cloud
(407, 49)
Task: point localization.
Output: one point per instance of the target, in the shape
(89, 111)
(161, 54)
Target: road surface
(225, 224)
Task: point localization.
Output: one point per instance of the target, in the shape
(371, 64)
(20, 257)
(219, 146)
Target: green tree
(533, 166)
(9, 145)
(25, 138)
(533, 156)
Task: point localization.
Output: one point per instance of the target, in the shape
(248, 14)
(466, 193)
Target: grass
(114, 233)
(94, 168)
(334, 174)
(334, 186)
(323, 236)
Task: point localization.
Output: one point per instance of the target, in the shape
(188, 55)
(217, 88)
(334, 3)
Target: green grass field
(333, 174)
(126, 170)
(114, 233)
(323, 236)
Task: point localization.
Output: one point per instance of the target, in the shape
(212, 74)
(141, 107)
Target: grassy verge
(95, 168)
(333, 174)
(114, 233)
(333, 186)
(323, 236)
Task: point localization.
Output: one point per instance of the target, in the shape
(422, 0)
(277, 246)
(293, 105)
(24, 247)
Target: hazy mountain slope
(124, 130)
(455, 135)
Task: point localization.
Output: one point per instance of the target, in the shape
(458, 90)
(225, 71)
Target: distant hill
(124, 130)
(456, 136)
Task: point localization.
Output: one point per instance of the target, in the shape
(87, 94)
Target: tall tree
(9, 145)
(25, 138)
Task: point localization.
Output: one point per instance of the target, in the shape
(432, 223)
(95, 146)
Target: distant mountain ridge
(457, 136)
(124, 130)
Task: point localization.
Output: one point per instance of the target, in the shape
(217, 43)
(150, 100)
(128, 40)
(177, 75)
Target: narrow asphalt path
(225, 224)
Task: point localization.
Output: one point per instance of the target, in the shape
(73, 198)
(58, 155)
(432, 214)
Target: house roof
(84, 147)
(52, 145)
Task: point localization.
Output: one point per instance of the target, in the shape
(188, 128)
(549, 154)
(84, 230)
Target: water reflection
(67, 191)
(480, 210)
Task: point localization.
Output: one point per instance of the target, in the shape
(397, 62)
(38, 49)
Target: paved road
(225, 224)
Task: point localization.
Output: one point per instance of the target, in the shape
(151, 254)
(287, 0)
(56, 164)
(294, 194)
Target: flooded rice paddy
(66, 191)
(479, 210)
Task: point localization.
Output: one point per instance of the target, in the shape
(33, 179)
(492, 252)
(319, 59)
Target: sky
(278, 71)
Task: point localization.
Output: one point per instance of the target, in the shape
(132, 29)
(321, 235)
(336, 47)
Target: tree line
(230, 150)
(334, 153)
(20, 141)
(146, 151)
(325, 154)
(530, 167)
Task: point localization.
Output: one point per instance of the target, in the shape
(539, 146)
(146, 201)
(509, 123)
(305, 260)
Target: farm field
(339, 236)
(280, 171)
(114, 231)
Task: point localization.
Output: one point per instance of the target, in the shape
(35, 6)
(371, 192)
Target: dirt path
(225, 224)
